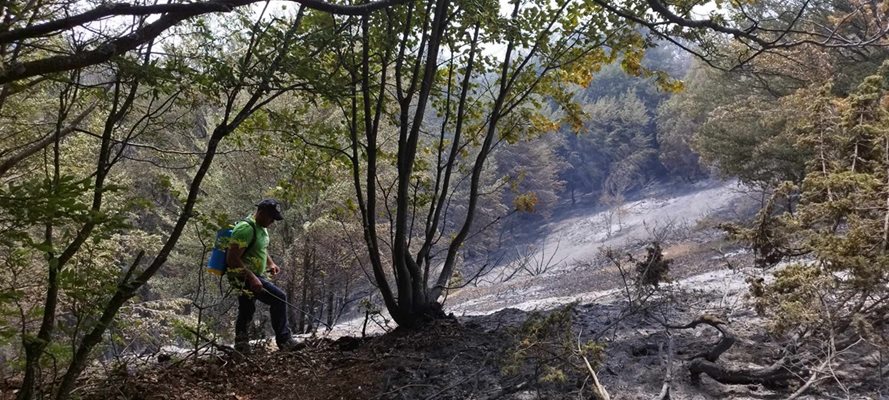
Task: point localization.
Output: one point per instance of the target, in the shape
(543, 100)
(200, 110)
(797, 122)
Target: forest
(519, 199)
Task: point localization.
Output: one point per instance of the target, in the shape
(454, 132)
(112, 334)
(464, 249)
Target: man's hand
(254, 283)
(274, 270)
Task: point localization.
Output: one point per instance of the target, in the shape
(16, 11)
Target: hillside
(568, 265)
(474, 355)
(680, 199)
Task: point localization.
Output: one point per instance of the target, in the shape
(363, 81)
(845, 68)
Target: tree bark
(330, 307)
(778, 374)
(35, 346)
(304, 299)
(775, 376)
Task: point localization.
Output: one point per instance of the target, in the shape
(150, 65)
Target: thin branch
(121, 45)
(35, 147)
(191, 9)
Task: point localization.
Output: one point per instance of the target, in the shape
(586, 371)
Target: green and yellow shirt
(255, 257)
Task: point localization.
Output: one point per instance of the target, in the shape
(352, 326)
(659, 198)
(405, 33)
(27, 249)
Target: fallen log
(778, 375)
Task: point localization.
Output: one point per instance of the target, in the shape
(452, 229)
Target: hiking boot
(290, 345)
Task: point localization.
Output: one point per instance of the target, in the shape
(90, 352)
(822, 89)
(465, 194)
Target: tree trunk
(292, 313)
(304, 299)
(312, 304)
(34, 346)
(330, 307)
(322, 305)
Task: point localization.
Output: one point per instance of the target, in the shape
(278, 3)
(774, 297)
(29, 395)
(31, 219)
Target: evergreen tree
(841, 226)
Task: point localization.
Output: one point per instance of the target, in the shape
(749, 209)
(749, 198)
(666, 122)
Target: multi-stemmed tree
(455, 80)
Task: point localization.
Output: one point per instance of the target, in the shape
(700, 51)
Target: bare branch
(11, 161)
(172, 14)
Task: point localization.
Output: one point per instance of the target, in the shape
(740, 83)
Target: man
(248, 260)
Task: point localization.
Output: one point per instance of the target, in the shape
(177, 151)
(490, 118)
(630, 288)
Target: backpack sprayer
(217, 264)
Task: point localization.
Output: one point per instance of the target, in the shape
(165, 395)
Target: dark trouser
(275, 298)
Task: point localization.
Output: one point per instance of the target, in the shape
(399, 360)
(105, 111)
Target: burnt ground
(466, 358)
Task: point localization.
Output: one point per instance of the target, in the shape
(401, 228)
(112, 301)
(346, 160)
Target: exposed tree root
(778, 374)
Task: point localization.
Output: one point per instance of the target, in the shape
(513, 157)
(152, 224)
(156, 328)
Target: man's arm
(234, 261)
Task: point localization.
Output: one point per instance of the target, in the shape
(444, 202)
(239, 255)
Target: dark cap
(272, 207)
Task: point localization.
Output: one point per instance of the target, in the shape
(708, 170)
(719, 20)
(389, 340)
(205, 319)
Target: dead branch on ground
(779, 374)
(598, 389)
(668, 375)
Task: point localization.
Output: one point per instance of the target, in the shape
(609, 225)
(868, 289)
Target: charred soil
(467, 359)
